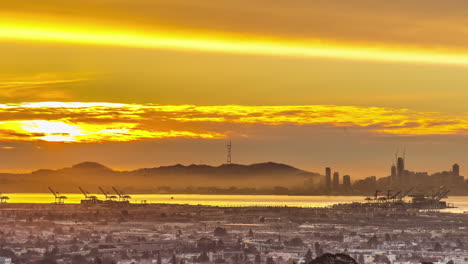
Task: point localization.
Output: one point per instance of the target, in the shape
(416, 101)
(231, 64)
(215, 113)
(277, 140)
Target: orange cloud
(113, 122)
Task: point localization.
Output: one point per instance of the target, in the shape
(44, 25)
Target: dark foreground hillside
(328, 258)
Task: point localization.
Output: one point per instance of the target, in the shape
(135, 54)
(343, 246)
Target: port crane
(109, 198)
(439, 195)
(89, 199)
(59, 199)
(122, 197)
(394, 196)
(442, 195)
(4, 198)
(406, 193)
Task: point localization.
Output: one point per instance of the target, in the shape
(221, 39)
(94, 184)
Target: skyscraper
(347, 183)
(393, 174)
(328, 179)
(456, 170)
(400, 169)
(336, 181)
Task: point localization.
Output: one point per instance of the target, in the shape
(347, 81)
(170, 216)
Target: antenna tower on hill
(229, 146)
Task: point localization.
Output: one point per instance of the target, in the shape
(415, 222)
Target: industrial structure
(229, 148)
(59, 199)
(396, 200)
(89, 199)
(4, 199)
(109, 198)
(123, 198)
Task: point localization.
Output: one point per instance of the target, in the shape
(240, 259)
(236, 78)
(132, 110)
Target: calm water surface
(461, 202)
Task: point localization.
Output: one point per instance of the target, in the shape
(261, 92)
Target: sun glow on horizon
(63, 131)
(77, 122)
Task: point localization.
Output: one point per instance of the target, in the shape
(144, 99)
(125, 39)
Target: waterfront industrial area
(169, 233)
(388, 227)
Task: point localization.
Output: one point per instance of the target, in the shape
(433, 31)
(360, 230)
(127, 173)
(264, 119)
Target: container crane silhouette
(89, 199)
(122, 197)
(59, 199)
(109, 197)
(4, 198)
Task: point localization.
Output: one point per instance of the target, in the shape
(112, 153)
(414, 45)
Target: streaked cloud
(34, 31)
(47, 86)
(113, 122)
(419, 22)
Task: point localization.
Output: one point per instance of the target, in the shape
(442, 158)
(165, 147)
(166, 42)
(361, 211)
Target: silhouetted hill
(269, 168)
(92, 174)
(90, 166)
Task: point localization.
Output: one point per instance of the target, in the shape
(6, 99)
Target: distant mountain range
(90, 175)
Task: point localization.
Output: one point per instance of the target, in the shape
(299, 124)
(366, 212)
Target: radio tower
(228, 146)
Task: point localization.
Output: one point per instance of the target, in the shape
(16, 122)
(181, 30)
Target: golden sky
(320, 83)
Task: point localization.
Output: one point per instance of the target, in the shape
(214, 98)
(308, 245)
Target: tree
(219, 231)
(159, 261)
(78, 259)
(258, 259)
(438, 247)
(308, 256)
(47, 261)
(108, 260)
(318, 249)
(373, 242)
(361, 259)
(220, 245)
(460, 244)
(382, 259)
(270, 260)
(387, 237)
(296, 242)
(54, 251)
(145, 255)
(235, 259)
(203, 257)
(94, 252)
(74, 248)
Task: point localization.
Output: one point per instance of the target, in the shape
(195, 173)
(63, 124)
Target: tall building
(347, 183)
(456, 170)
(336, 181)
(393, 174)
(456, 179)
(328, 179)
(400, 169)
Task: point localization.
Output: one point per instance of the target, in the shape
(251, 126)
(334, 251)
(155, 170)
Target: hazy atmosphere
(310, 84)
(233, 132)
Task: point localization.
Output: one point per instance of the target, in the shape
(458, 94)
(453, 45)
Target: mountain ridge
(88, 174)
